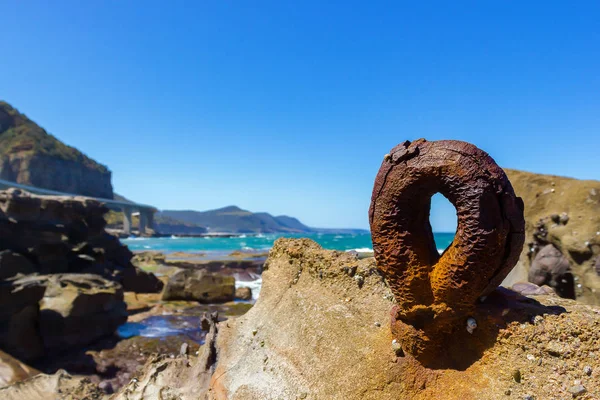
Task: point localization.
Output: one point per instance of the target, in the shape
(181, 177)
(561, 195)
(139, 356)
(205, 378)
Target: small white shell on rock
(471, 325)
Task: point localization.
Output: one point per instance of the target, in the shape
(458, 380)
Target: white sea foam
(362, 250)
(440, 250)
(255, 286)
(247, 248)
(242, 236)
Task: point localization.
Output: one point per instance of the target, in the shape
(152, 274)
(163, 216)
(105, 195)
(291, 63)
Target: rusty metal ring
(435, 292)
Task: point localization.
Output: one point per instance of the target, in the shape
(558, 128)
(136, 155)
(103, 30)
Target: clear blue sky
(289, 106)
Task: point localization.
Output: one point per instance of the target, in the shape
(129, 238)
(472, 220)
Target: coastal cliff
(31, 156)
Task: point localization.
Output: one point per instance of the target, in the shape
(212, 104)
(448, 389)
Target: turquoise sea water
(359, 242)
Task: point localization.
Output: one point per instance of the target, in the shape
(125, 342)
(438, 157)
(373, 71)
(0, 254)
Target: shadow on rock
(501, 308)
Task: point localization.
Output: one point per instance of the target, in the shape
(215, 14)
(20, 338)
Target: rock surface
(201, 286)
(243, 293)
(19, 317)
(550, 267)
(50, 234)
(12, 263)
(315, 333)
(78, 309)
(61, 274)
(42, 315)
(58, 386)
(13, 370)
(563, 212)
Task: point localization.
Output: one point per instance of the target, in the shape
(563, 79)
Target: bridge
(146, 212)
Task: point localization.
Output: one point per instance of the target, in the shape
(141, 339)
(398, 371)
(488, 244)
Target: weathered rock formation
(19, 315)
(49, 234)
(243, 293)
(321, 330)
(78, 309)
(551, 267)
(58, 386)
(436, 295)
(563, 212)
(61, 276)
(30, 156)
(199, 285)
(13, 370)
(45, 314)
(12, 263)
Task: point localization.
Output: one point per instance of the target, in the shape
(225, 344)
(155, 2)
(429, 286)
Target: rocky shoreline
(73, 298)
(326, 314)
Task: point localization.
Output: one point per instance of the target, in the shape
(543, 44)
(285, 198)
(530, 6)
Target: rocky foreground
(562, 244)
(321, 329)
(66, 287)
(62, 280)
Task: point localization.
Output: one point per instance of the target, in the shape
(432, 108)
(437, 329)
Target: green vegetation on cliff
(19, 134)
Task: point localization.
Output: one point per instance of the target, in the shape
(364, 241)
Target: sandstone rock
(316, 338)
(550, 267)
(315, 334)
(145, 258)
(531, 289)
(574, 233)
(139, 281)
(65, 234)
(199, 285)
(19, 313)
(243, 293)
(58, 386)
(181, 378)
(41, 315)
(12, 263)
(13, 370)
(77, 309)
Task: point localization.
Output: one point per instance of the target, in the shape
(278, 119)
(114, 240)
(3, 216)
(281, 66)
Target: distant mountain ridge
(232, 219)
(31, 156)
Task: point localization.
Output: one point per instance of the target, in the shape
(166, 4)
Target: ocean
(223, 245)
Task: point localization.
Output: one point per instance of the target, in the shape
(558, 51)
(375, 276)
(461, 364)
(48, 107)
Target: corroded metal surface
(437, 294)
